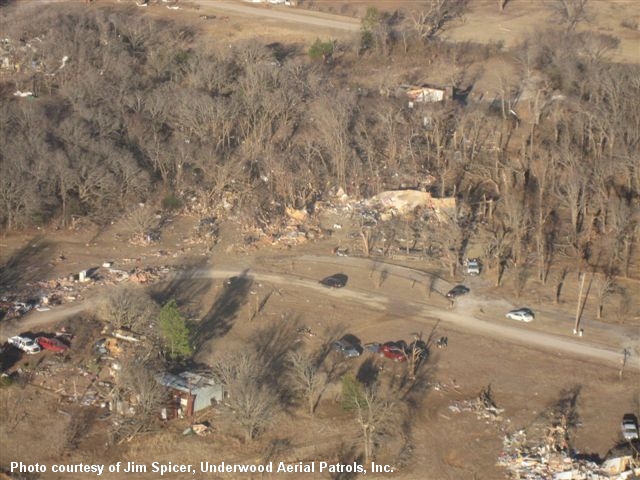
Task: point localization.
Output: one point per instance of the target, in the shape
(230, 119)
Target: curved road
(421, 311)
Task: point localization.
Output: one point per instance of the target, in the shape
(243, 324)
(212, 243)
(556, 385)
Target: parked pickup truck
(25, 344)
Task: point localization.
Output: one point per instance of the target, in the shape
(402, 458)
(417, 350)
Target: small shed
(191, 392)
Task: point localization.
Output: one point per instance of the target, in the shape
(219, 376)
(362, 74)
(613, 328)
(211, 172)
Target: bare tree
(306, 377)
(605, 286)
(13, 411)
(516, 221)
(446, 237)
(127, 306)
(570, 12)
(136, 383)
(142, 221)
(542, 170)
(502, 4)
(254, 402)
(138, 379)
(625, 229)
(334, 119)
(376, 415)
(78, 427)
(431, 17)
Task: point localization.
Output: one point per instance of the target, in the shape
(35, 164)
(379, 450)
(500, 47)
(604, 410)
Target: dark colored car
(349, 350)
(457, 291)
(337, 280)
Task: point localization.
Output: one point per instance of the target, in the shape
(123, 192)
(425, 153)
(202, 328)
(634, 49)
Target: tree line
(148, 111)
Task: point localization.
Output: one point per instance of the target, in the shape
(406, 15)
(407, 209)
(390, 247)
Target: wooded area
(128, 109)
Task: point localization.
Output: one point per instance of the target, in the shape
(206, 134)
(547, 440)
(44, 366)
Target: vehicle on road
(349, 350)
(629, 426)
(52, 344)
(337, 280)
(25, 344)
(457, 291)
(521, 315)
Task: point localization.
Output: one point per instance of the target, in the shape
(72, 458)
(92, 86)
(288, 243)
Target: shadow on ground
(222, 314)
(187, 287)
(28, 264)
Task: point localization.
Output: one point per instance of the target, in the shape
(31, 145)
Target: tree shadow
(557, 421)
(271, 346)
(351, 338)
(26, 265)
(368, 372)
(327, 337)
(219, 319)
(522, 275)
(281, 52)
(9, 356)
(566, 407)
(187, 287)
(347, 455)
(563, 276)
(461, 95)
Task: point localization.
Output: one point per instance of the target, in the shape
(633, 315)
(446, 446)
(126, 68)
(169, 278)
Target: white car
(521, 315)
(25, 344)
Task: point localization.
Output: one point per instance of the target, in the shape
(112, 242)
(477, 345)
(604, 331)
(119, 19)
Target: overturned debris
(483, 405)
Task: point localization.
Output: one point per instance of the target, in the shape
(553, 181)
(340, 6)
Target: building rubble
(542, 451)
(535, 460)
(44, 294)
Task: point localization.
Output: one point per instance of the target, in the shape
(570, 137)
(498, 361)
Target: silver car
(629, 427)
(521, 315)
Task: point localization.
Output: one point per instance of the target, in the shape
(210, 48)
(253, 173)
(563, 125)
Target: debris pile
(14, 308)
(548, 456)
(44, 294)
(483, 406)
(200, 429)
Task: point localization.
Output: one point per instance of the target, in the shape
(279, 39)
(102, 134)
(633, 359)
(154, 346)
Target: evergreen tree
(174, 331)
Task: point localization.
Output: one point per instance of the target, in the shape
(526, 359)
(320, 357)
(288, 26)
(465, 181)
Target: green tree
(321, 49)
(369, 23)
(174, 331)
(352, 393)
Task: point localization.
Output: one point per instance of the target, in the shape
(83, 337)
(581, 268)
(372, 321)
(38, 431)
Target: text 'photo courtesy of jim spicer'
(204, 467)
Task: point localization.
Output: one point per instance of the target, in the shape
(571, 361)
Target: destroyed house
(190, 392)
(427, 93)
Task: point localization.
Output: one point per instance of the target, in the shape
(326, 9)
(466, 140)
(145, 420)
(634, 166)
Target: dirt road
(538, 340)
(313, 19)
(420, 311)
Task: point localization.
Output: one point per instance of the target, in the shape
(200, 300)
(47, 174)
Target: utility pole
(576, 327)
